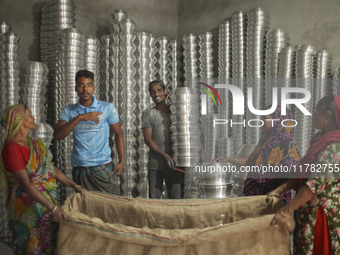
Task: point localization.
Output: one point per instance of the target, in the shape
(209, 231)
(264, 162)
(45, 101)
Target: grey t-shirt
(159, 122)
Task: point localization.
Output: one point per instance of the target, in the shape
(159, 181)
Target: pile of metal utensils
(257, 26)
(249, 54)
(33, 88)
(70, 58)
(336, 81)
(105, 69)
(323, 79)
(213, 181)
(9, 78)
(93, 60)
(144, 48)
(303, 74)
(185, 131)
(205, 65)
(123, 49)
(55, 16)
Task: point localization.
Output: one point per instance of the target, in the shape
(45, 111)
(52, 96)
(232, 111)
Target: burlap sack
(103, 224)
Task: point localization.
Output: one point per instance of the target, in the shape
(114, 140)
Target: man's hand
(91, 116)
(118, 169)
(169, 161)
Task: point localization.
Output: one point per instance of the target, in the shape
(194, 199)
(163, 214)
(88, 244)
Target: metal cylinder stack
(33, 88)
(55, 16)
(322, 78)
(174, 66)
(224, 73)
(303, 73)
(190, 61)
(277, 40)
(163, 55)
(92, 62)
(105, 68)
(322, 74)
(215, 185)
(285, 67)
(9, 78)
(70, 58)
(144, 60)
(185, 133)
(9, 95)
(257, 27)
(336, 81)
(238, 31)
(127, 107)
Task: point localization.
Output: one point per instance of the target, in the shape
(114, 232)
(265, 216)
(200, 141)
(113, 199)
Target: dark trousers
(173, 182)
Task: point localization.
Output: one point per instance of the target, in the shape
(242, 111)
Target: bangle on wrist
(54, 209)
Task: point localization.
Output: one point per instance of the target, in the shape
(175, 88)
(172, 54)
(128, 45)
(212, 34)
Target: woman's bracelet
(54, 209)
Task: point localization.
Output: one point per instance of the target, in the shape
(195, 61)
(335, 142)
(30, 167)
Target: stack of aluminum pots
(216, 185)
(105, 68)
(143, 99)
(224, 73)
(190, 61)
(174, 66)
(336, 81)
(153, 62)
(285, 67)
(323, 82)
(277, 40)
(9, 78)
(163, 64)
(55, 16)
(127, 107)
(9, 95)
(238, 31)
(45, 132)
(226, 147)
(303, 74)
(205, 60)
(322, 74)
(185, 133)
(33, 88)
(92, 62)
(70, 58)
(257, 27)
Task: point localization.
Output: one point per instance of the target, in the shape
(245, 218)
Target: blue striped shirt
(91, 140)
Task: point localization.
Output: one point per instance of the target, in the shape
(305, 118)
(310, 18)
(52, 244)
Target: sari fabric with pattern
(30, 221)
(277, 147)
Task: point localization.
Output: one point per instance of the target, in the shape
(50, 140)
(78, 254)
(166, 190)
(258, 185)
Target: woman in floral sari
(277, 147)
(317, 202)
(28, 180)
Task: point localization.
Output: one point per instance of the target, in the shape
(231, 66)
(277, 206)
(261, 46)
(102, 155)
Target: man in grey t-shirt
(156, 130)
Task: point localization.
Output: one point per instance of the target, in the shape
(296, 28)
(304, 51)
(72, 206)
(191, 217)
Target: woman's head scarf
(12, 119)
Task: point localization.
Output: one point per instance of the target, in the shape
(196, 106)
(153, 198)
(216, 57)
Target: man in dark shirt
(156, 130)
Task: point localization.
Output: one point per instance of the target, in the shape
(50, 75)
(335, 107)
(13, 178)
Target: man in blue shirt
(90, 121)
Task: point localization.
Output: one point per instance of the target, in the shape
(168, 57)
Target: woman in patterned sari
(276, 147)
(317, 202)
(28, 180)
